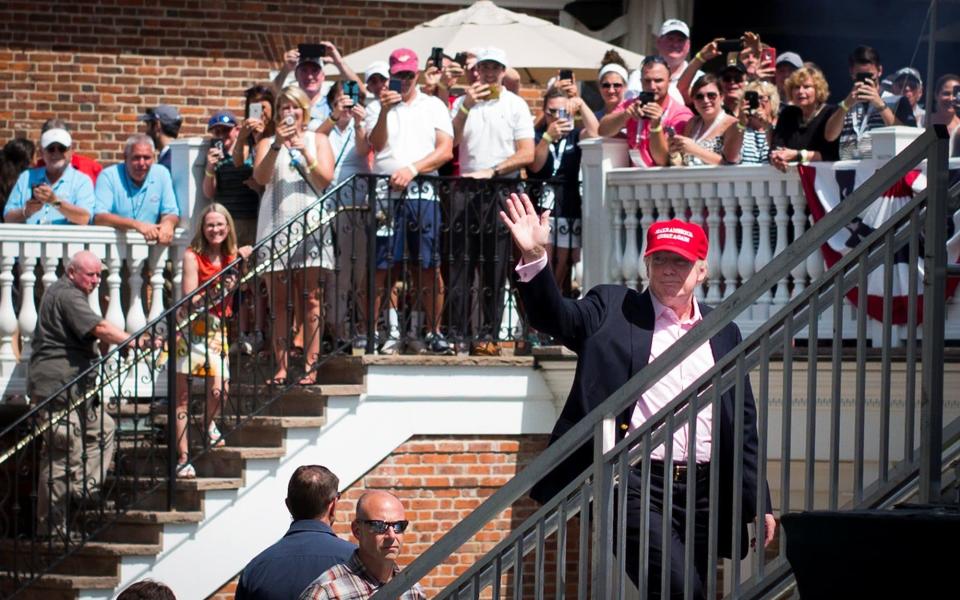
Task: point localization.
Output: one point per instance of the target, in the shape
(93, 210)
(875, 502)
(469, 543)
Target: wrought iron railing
(866, 459)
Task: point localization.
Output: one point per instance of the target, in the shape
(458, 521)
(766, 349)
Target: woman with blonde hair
(749, 142)
(301, 257)
(202, 349)
(799, 134)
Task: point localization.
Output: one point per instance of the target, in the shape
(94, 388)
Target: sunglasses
(552, 111)
(52, 148)
(405, 75)
(609, 85)
(380, 527)
(738, 78)
(706, 96)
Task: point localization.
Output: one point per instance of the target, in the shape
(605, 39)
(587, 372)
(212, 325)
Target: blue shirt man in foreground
(309, 547)
(137, 194)
(54, 194)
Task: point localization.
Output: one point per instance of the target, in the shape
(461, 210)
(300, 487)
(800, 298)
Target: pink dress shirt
(667, 330)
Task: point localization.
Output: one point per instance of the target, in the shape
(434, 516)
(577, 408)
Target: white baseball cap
(493, 55)
(378, 67)
(56, 136)
(791, 58)
(674, 25)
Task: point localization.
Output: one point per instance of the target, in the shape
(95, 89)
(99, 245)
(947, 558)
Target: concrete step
(227, 461)
(57, 587)
(93, 559)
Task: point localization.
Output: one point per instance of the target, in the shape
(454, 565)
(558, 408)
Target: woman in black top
(798, 136)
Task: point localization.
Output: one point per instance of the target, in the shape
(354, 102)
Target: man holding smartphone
(648, 115)
(410, 134)
(54, 194)
(306, 62)
(864, 109)
(673, 45)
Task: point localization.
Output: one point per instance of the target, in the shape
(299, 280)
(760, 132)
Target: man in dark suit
(615, 332)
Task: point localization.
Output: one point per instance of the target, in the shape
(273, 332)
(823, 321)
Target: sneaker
(391, 345)
(186, 471)
(437, 344)
(485, 348)
(214, 435)
(245, 344)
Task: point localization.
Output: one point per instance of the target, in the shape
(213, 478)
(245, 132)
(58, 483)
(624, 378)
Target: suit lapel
(641, 318)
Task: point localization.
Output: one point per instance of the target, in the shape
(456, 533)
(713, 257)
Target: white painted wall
(360, 432)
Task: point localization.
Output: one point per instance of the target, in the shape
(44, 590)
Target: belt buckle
(678, 470)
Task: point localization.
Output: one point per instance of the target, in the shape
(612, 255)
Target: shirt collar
(309, 525)
(662, 311)
(357, 566)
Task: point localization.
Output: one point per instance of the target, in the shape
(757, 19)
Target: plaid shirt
(352, 581)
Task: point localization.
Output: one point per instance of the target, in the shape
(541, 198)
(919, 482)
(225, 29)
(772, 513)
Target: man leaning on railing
(616, 331)
(79, 445)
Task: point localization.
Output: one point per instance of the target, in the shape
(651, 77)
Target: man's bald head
(84, 270)
(375, 502)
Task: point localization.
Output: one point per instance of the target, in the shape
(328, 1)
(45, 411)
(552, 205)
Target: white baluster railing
(27, 246)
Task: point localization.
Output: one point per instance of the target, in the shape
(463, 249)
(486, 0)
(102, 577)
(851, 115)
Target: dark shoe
(437, 344)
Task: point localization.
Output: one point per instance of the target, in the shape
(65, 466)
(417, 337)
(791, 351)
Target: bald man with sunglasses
(379, 528)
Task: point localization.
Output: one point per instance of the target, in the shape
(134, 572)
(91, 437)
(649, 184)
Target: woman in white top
(702, 139)
(303, 250)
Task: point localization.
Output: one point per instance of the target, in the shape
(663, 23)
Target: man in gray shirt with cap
(162, 124)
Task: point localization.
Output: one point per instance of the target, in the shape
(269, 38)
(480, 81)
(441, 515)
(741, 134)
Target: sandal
(214, 436)
(186, 471)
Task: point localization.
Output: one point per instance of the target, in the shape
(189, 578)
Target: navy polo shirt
(286, 568)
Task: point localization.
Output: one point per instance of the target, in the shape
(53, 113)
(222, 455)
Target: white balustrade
(27, 247)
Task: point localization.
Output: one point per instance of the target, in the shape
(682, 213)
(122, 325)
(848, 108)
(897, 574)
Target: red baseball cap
(686, 239)
(403, 59)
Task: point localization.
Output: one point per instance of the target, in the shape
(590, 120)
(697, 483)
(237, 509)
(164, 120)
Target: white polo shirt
(491, 130)
(411, 131)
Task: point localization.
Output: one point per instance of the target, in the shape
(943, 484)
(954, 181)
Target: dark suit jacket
(611, 330)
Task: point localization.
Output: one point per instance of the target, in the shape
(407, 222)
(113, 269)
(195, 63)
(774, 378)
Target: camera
(256, 111)
(436, 56)
(725, 46)
(566, 74)
(645, 97)
(753, 99)
(289, 120)
(461, 59)
(311, 50)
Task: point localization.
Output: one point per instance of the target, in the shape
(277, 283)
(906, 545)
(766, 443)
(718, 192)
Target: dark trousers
(678, 520)
(478, 242)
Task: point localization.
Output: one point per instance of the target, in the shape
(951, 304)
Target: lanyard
(860, 129)
(557, 155)
(343, 148)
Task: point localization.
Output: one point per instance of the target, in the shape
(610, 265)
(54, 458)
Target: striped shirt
(352, 581)
(755, 149)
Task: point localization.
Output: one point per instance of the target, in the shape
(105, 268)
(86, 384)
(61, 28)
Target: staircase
(151, 538)
(913, 459)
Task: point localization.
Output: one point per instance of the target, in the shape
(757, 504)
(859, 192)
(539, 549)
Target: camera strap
(557, 154)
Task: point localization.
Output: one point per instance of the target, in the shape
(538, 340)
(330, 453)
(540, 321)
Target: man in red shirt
(86, 165)
(651, 118)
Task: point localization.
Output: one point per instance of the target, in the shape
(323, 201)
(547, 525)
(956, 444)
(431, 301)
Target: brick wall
(98, 64)
(440, 480)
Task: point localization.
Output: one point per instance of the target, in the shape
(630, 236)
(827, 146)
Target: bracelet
(311, 166)
(698, 57)
(464, 109)
(332, 118)
(413, 169)
(56, 203)
(656, 129)
(843, 106)
(741, 126)
(547, 137)
(803, 157)
(209, 173)
(276, 147)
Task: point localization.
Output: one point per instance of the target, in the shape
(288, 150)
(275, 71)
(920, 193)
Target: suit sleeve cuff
(527, 271)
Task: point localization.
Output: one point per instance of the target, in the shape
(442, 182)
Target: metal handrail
(713, 323)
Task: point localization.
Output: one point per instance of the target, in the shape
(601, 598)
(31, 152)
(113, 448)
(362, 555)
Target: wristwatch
(56, 202)
(496, 172)
(276, 147)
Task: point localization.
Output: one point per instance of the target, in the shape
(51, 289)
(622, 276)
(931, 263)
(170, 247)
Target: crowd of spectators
(731, 102)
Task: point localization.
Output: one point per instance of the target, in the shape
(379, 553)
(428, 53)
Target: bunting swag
(827, 184)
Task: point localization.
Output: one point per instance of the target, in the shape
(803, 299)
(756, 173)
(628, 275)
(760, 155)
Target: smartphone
(311, 50)
(566, 74)
(256, 111)
(864, 78)
(396, 86)
(563, 115)
(956, 96)
(645, 97)
(436, 55)
(768, 56)
(753, 99)
(218, 144)
(494, 92)
(724, 46)
(670, 131)
(352, 90)
(461, 59)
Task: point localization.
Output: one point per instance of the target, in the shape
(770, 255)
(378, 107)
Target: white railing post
(646, 220)
(598, 157)
(157, 261)
(8, 318)
(615, 249)
(744, 192)
(629, 264)
(28, 309)
(782, 219)
(764, 254)
(114, 262)
(713, 256)
(728, 260)
(799, 219)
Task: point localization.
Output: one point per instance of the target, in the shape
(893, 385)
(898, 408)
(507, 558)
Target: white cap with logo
(674, 25)
(378, 67)
(493, 55)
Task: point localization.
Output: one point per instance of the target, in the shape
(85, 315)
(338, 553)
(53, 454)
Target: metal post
(931, 58)
(172, 408)
(934, 290)
(371, 227)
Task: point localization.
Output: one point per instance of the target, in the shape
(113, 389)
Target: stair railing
(824, 438)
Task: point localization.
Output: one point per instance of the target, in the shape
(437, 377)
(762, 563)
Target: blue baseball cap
(224, 118)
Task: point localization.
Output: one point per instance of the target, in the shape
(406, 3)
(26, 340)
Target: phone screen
(256, 111)
(461, 59)
(353, 91)
(725, 46)
(436, 56)
(864, 77)
(753, 99)
(566, 74)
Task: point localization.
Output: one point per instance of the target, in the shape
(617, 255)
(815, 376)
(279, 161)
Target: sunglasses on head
(706, 95)
(607, 85)
(56, 148)
(653, 59)
(380, 527)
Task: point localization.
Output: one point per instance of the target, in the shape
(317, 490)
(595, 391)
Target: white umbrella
(535, 47)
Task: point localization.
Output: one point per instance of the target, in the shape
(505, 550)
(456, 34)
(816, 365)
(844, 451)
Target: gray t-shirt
(64, 344)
